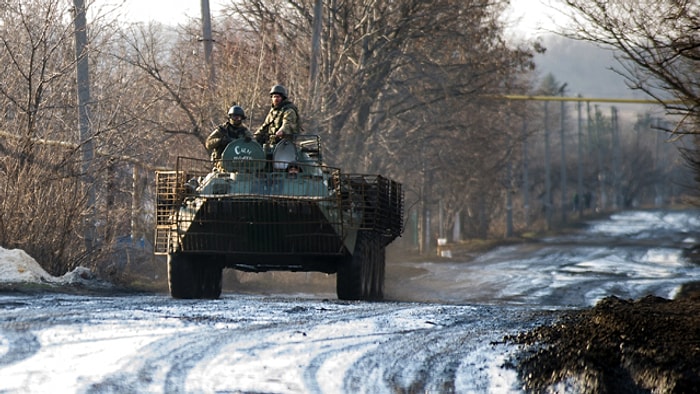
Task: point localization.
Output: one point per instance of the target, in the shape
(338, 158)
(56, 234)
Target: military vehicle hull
(251, 215)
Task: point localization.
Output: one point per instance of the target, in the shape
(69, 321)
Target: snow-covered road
(442, 331)
(146, 343)
(629, 255)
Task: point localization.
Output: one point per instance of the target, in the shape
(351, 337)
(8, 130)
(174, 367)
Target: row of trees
(404, 88)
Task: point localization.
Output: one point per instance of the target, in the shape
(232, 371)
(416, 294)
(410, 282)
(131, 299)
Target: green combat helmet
(236, 110)
(279, 89)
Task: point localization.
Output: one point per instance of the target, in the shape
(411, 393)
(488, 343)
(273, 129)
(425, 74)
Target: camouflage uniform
(284, 117)
(222, 136)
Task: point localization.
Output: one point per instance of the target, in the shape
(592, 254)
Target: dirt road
(449, 326)
(147, 343)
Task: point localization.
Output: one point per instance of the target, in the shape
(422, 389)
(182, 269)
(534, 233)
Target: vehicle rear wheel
(361, 276)
(183, 278)
(378, 273)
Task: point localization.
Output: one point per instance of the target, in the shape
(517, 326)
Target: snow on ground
(16, 266)
(452, 340)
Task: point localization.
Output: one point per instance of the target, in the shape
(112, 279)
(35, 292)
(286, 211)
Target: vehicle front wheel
(183, 279)
(211, 280)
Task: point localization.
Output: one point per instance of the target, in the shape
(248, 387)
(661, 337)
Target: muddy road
(253, 344)
(442, 329)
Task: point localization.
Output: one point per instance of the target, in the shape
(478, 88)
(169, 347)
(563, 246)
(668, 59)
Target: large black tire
(183, 278)
(361, 276)
(379, 269)
(211, 278)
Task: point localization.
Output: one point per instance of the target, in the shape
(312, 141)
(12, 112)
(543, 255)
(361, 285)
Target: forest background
(409, 89)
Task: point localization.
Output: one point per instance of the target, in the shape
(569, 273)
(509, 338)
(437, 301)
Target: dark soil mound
(618, 346)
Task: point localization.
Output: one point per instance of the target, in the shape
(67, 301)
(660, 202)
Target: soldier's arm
(289, 123)
(213, 140)
(218, 138)
(261, 134)
(262, 130)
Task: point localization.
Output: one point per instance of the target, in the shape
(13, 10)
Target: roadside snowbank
(16, 266)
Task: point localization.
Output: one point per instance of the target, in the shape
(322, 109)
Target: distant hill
(585, 67)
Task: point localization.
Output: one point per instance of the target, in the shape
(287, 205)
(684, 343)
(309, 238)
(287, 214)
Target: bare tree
(43, 200)
(44, 205)
(658, 46)
(402, 88)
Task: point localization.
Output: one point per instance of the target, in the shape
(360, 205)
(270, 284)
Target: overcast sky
(529, 14)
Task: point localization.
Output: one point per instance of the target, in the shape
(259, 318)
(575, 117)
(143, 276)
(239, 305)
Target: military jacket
(284, 117)
(222, 136)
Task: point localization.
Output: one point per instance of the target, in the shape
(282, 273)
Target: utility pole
(509, 198)
(579, 178)
(208, 42)
(602, 176)
(526, 174)
(509, 188)
(315, 52)
(547, 169)
(616, 159)
(85, 137)
(564, 197)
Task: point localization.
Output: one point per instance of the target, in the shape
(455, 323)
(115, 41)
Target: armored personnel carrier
(263, 210)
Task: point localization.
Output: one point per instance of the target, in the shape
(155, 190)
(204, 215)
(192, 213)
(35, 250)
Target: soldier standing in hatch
(227, 132)
(282, 121)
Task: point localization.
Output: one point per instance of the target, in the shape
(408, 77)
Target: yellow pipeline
(72, 145)
(585, 99)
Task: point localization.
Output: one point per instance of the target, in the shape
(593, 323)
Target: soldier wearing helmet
(227, 132)
(283, 119)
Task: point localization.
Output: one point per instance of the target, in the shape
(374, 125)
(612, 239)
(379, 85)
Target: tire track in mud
(17, 330)
(446, 355)
(271, 344)
(19, 343)
(295, 351)
(424, 359)
(167, 364)
(293, 327)
(161, 366)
